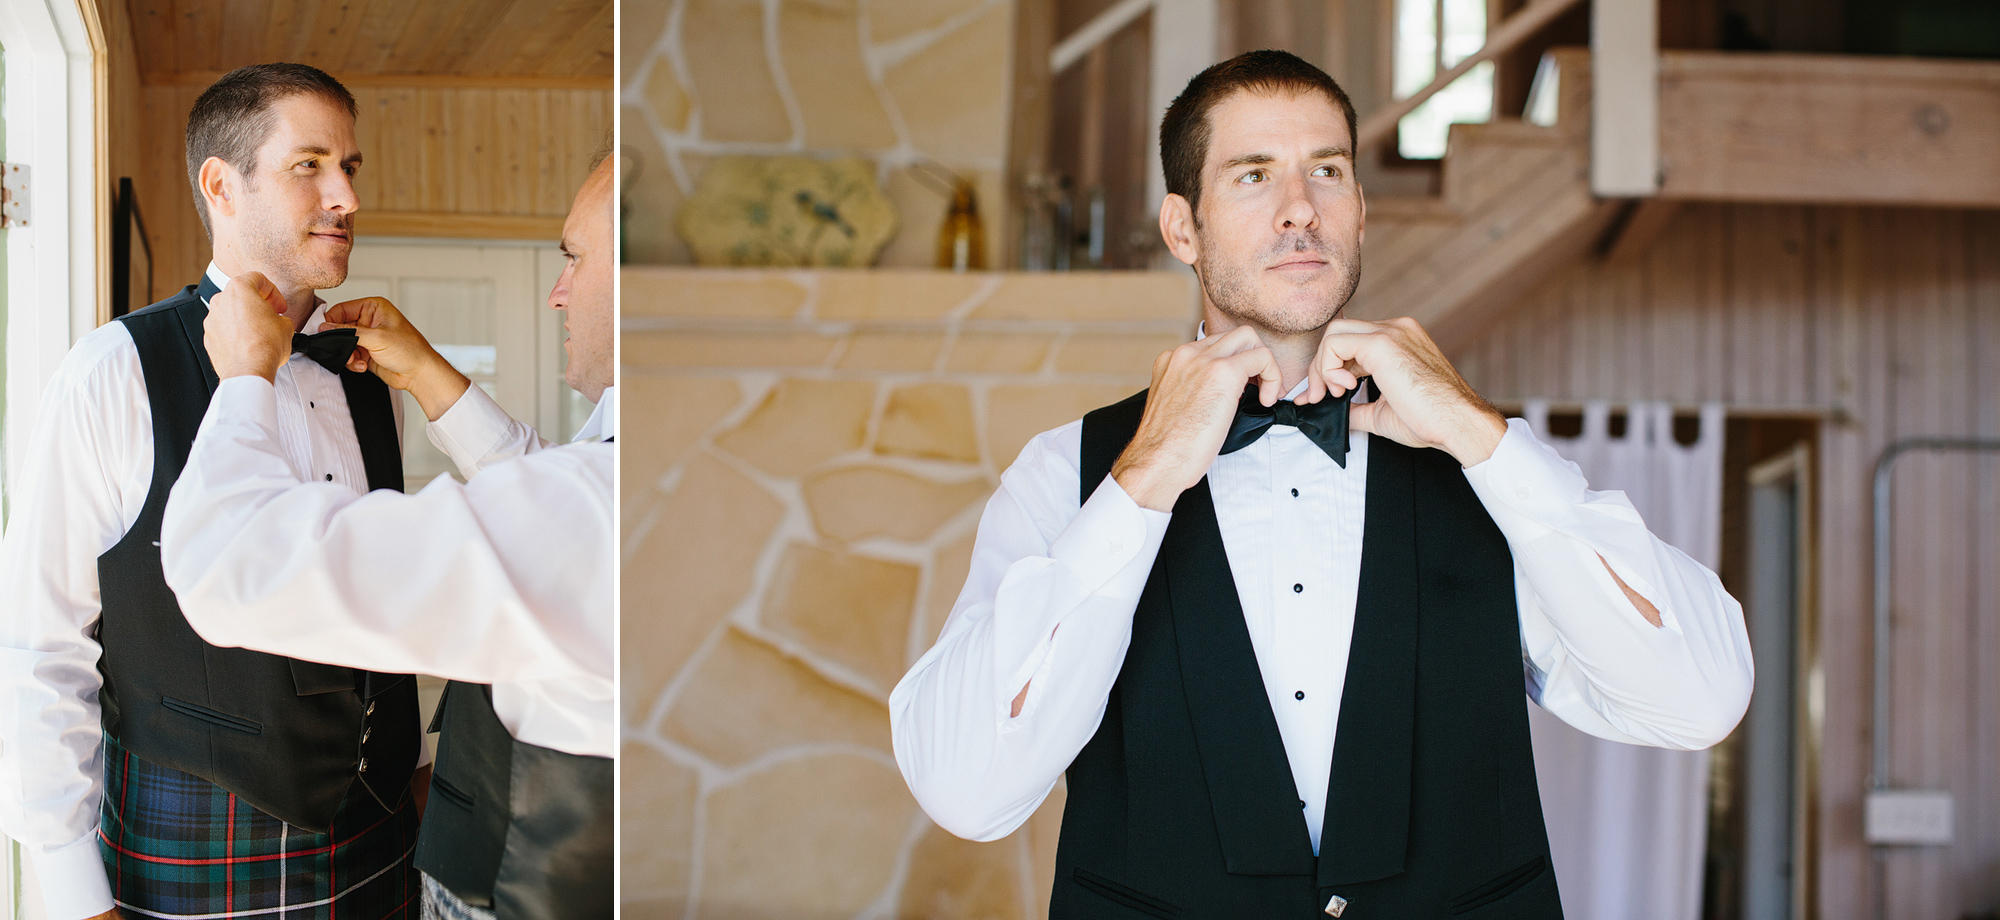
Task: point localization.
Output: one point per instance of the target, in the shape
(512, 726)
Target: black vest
(290, 737)
(521, 829)
(1183, 803)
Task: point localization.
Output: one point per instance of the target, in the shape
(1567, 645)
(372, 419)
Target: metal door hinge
(13, 195)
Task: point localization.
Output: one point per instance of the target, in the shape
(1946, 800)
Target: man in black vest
(145, 767)
(502, 584)
(1274, 631)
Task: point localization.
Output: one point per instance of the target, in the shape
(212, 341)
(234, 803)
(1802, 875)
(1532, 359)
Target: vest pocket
(213, 717)
(1137, 900)
(1500, 886)
(449, 792)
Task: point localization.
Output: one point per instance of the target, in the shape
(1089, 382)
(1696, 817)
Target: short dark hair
(1184, 132)
(233, 117)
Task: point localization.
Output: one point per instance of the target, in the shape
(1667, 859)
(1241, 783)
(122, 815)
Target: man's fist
(398, 353)
(246, 331)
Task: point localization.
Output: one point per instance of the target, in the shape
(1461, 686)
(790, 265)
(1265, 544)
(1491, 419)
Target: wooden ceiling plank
(585, 52)
(381, 27)
(469, 20)
(285, 36)
(324, 43)
(246, 25)
(520, 26)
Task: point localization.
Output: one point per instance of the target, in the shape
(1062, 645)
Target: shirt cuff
(247, 398)
(74, 884)
(470, 428)
(1528, 487)
(1109, 533)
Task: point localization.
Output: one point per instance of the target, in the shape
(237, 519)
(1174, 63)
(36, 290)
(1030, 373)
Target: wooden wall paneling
(1982, 807)
(1673, 345)
(1769, 300)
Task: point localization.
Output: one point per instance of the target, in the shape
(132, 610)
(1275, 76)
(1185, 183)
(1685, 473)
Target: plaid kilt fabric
(177, 845)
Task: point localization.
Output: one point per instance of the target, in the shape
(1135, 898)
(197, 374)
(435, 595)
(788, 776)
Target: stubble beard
(283, 251)
(1230, 287)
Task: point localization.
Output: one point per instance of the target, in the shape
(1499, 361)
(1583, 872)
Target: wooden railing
(1380, 125)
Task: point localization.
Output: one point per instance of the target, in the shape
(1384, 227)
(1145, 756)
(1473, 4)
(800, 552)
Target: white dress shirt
(1291, 522)
(89, 468)
(505, 579)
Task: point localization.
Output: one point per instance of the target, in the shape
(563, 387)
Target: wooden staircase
(1514, 205)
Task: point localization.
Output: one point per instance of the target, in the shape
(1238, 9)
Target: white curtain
(1627, 824)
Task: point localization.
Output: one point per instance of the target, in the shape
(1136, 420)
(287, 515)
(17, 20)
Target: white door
(484, 306)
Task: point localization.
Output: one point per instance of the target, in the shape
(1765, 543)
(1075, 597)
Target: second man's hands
(398, 353)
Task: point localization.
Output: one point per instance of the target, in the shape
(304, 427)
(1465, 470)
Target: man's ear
(1361, 230)
(1177, 228)
(220, 185)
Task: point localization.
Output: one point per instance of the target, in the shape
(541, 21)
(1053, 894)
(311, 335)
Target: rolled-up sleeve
(1590, 657)
(1048, 606)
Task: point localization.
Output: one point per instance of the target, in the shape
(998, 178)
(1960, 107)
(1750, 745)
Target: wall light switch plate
(1908, 816)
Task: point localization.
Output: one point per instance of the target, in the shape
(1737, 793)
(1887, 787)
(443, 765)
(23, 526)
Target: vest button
(1295, 493)
(370, 710)
(1336, 907)
(1299, 695)
(365, 733)
(364, 765)
(1297, 588)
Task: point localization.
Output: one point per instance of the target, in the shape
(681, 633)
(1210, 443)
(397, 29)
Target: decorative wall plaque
(787, 211)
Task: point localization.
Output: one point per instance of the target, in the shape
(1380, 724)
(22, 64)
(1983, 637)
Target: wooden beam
(1625, 104)
(1641, 229)
(1830, 129)
(446, 225)
(415, 80)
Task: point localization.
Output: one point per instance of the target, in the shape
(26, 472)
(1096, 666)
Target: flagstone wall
(805, 458)
(894, 82)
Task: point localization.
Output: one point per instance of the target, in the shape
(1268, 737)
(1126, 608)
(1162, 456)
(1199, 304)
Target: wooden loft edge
(1827, 129)
(1768, 66)
(417, 81)
(447, 225)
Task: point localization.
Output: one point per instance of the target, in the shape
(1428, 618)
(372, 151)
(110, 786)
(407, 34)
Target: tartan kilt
(177, 845)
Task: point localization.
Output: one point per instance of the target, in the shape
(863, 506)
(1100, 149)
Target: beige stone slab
(850, 609)
(663, 418)
(656, 811)
(747, 699)
(892, 351)
(893, 294)
(693, 567)
(1093, 296)
(639, 31)
(709, 293)
(953, 94)
(802, 423)
(814, 837)
(933, 421)
(998, 352)
(954, 879)
(685, 348)
(1113, 354)
(733, 82)
(821, 44)
(1015, 414)
(648, 230)
(666, 98)
(860, 502)
(889, 20)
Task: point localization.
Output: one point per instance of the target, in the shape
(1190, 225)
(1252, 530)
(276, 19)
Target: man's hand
(1424, 403)
(398, 353)
(246, 332)
(1195, 391)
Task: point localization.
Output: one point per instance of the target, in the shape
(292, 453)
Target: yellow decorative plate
(787, 211)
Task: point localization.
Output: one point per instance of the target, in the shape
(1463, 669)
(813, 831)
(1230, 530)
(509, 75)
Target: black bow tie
(330, 349)
(1325, 422)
